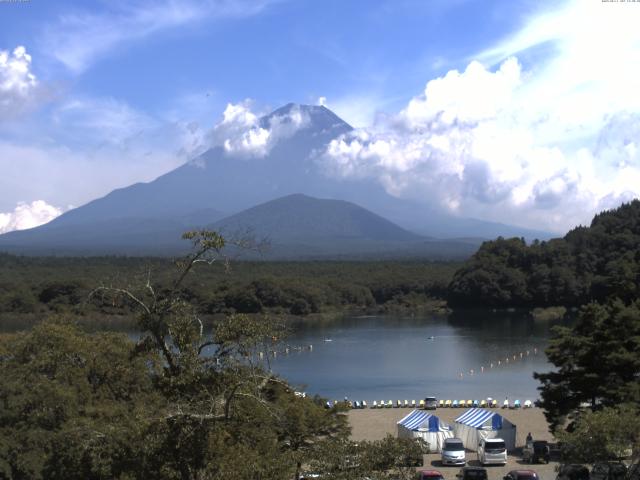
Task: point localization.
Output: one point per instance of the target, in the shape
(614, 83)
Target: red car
(521, 475)
(429, 475)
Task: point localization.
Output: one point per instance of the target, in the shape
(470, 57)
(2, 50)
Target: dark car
(521, 475)
(429, 475)
(609, 471)
(430, 403)
(536, 451)
(573, 472)
(472, 473)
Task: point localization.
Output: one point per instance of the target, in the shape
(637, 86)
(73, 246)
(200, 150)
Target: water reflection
(394, 357)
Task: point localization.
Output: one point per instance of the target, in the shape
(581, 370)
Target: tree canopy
(181, 402)
(589, 264)
(597, 362)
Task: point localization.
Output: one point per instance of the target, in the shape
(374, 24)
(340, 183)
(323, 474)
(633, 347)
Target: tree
(181, 403)
(597, 361)
(607, 434)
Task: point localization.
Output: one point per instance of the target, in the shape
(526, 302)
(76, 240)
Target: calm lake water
(391, 358)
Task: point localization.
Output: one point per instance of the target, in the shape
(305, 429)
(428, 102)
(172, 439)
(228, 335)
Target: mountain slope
(300, 218)
(147, 215)
(303, 227)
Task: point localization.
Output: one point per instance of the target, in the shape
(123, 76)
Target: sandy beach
(370, 424)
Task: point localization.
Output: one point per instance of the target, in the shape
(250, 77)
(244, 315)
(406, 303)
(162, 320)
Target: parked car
(429, 475)
(608, 471)
(453, 452)
(472, 473)
(492, 451)
(536, 451)
(521, 475)
(572, 471)
(430, 403)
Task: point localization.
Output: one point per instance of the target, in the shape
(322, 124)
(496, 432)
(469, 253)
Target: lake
(395, 357)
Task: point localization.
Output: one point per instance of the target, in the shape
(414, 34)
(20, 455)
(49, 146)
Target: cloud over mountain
(241, 132)
(544, 145)
(28, 215)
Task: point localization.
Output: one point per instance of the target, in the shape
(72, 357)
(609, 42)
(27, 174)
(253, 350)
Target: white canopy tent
(420, 424)
(478, 423)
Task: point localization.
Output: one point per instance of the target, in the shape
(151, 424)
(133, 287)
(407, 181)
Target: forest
(33, 287)
(588, 264)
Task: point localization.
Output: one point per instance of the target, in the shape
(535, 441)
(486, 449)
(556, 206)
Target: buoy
(481, 369)
(310, 347)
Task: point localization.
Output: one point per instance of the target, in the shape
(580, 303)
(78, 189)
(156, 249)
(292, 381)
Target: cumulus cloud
(542, 144)
(17, 82)
(28, 215)
(242, 133)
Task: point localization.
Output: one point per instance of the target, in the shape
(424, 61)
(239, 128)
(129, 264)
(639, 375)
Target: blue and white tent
(420, 424)
(478, 423)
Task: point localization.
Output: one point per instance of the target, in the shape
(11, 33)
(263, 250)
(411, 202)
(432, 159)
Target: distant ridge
(301, 218)
(147, 218)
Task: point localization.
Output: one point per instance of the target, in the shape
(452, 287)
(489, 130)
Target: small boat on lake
(363, 404)
(390, 404)
(398, 403)
(406, 404)
(483, 403)
(527, 404)
(516, 404)
(447, 403)
(455, 404)
(421, 403)
(413, 404)
(505, 404)
(476, 404)
(441, 404)
(494, 403)
(374, 404)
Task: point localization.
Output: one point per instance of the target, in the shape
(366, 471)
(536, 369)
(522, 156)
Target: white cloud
(17, 82)
(242, 133)
(78, 39)
(544, 145)
(28, 215)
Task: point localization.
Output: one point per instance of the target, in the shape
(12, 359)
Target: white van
(453, 452)
(492, 451)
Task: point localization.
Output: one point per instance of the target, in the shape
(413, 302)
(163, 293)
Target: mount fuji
(221, 188)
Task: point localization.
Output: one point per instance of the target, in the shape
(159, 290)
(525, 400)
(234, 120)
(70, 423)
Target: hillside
(147, 218)
(589, 263)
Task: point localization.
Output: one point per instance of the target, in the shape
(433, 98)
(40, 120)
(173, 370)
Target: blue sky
(98, 95)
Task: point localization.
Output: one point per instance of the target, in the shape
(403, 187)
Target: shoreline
(375, 424)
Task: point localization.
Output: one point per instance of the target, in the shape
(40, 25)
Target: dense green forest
(75, 405)
(588, 264)
(33, 286)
